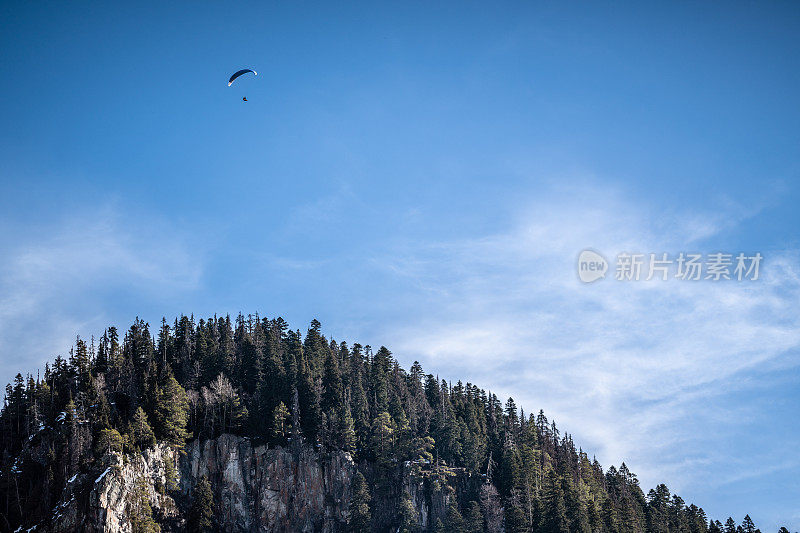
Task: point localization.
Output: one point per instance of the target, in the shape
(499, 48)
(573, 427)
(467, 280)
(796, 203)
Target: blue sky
(424, 177)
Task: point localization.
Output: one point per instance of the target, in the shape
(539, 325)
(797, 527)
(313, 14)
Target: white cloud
(632, 368)
(64, 278)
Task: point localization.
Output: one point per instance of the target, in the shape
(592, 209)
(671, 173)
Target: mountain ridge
(423, 454)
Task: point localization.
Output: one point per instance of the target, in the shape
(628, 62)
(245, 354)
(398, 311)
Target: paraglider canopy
(239, 73)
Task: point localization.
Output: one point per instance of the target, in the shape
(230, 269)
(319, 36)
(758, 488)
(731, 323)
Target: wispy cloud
(633, 368)
(66, 277)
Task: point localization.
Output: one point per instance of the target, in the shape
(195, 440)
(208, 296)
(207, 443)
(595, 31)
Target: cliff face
(113, 489)
(256, 489)
(260, 489)
(101, 503)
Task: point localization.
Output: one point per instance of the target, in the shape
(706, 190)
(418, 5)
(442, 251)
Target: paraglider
(239, 73)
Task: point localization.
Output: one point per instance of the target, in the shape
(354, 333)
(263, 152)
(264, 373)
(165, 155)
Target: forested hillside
(254, 377)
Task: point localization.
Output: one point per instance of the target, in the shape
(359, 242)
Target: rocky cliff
(275, 489)
(256, 488)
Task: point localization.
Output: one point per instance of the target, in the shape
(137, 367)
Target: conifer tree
(140, 434)
(697, 519)
(139, 511)
(474, 519)
(658, 509)
(172, 411)
(74, 441)
(610, 518)
(280, 423)
(358, 398)
(577, 519)
(113, 350)
(346, 432)
(515, 518)
(455, 521)
(332, 396)
(81, 363)
(555, 516)
(170, 474)
(201, 513)
(677, 514)
(17, 406)
(101, 363)
(380, 380)
(382, 439)
(109, 441)
(360, 515)
(408, 515)
(309, 395)
(251, 369)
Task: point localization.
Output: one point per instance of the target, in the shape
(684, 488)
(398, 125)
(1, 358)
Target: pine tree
(309, 394)
(747, 525)
(360, 516)
(409, 522)
(172, 411)
(677, 514)
(609, 515)
(382, 439)
(455, 521)
(139, 511)
(170, 474)
(658, 509)
(280, 423)
(332, 396)
(555, 516)
(139, 434)
(697, 519)
(515, 518)
(474, 521)
(101, 363)
(109, 441)
(73, 438)
(17, 406)
(250, 340)
(297, 434)
(201, 513)
(81, 363)
(113, 352)
(380, 379)
(346, 435)
(577, 519)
